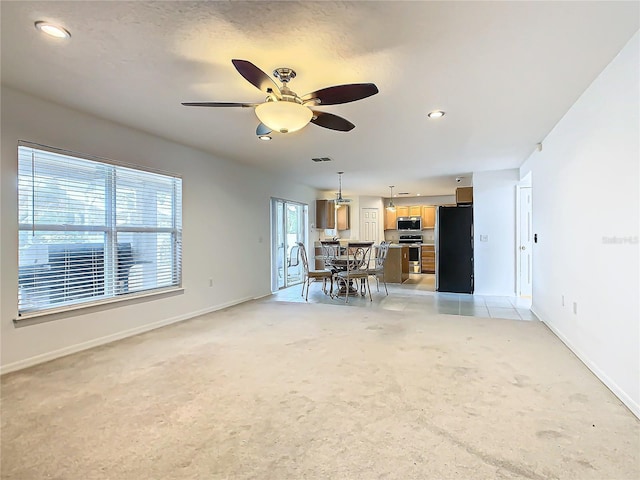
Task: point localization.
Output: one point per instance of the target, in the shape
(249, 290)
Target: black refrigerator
(454, 249)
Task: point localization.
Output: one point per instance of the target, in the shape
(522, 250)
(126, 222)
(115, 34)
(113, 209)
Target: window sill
(42, 314)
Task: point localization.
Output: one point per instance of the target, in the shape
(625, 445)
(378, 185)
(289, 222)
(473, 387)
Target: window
(91, 231)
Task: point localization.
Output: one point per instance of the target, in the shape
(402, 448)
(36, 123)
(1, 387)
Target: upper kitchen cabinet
(325, 214)
(402, 211)
(428, 216)
(390, 219)
(464, 195)
(426, 212)
(415, 210)
(342, 217)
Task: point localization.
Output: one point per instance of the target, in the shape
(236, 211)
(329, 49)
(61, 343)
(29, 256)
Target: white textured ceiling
(505, 73)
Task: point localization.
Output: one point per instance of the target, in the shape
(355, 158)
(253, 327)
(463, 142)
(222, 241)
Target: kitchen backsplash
(428, 236)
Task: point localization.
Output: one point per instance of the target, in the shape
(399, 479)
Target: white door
(288, 226)
(369, 224)
(525, 247)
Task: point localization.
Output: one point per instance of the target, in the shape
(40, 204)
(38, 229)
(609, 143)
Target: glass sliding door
(288, 226)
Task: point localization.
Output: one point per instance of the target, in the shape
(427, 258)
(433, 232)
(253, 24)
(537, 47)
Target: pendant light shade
(391, 207)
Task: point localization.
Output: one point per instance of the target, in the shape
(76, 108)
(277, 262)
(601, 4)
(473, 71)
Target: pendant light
(391, 207)
(339, 200)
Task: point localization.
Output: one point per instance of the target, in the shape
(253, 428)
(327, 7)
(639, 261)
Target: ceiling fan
(284, 111)
(339, 199)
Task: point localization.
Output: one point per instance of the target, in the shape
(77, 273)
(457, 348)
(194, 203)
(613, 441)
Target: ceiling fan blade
(342, 93)
(255, 76)
(331, 121)
(219, 104)
(262, 130)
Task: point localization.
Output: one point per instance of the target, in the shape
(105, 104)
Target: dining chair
(330, 252)
(356, 267)
(313, 275)
(378, 265)
(293, 256)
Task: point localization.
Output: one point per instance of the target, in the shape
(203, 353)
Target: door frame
(304, 231)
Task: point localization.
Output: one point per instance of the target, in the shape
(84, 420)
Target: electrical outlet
(575, 308)
(563, 300)
(211, 282)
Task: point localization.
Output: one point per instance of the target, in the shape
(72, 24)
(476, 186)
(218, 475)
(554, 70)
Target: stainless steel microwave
(409, 223)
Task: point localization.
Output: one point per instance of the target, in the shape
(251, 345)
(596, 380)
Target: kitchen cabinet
(415, 210)
(342, 217)
(428, 259)
(390, 219)
(325, 214)
(402, 211)
(426, 212)
(464, 195)
(396, 265)
(428, 216)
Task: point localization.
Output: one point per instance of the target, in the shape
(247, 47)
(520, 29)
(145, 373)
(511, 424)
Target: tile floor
(418, 294)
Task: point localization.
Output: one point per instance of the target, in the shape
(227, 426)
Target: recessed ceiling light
(266, 138)
(52, 30)
(435, 114)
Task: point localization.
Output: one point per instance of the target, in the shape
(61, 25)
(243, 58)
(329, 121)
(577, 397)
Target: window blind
(91, 230)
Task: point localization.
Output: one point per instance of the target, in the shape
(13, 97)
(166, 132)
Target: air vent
(321, 159)
(403, 193)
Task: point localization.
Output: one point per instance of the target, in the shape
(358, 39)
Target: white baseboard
(62, 352)
(603, 377)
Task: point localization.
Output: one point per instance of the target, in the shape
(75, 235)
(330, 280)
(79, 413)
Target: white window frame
(111, 229)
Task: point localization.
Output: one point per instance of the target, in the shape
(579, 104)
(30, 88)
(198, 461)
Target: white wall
(585, 195)
(216, 194)
(494, 216)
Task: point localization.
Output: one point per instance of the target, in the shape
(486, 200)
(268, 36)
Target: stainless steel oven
(415, 251)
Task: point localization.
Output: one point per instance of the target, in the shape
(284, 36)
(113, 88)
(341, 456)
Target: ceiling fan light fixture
(284, 116)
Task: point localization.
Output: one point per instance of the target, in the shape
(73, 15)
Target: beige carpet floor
(276, 390)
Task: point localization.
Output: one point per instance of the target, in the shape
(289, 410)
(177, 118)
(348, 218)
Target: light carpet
(275, 390)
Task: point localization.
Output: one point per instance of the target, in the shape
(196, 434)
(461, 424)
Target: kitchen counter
(396, 266)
